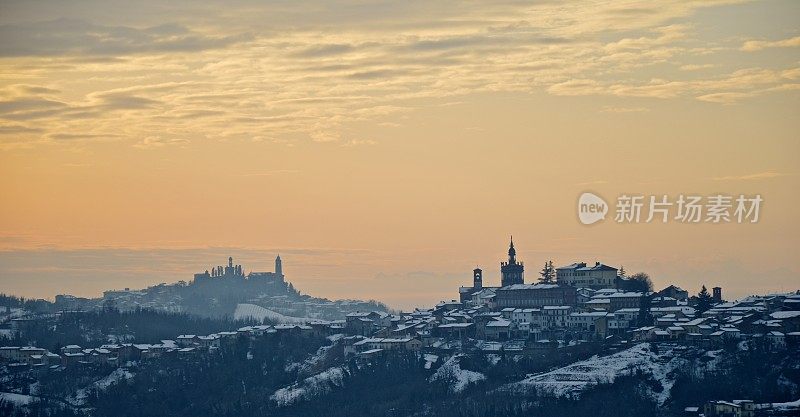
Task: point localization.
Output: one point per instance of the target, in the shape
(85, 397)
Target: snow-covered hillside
(16, 399)
(576, 377)
(460, 378)
(321, 383)
(115, 377)
(252, 311)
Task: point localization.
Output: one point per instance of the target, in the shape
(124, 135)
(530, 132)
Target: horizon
(447, 284)
(387, 148)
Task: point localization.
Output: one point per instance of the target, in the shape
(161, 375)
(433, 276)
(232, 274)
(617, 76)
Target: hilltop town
(575, 328)
(219, 292)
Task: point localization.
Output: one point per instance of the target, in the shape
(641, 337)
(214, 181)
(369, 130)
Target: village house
(735, 408)
(499, 329)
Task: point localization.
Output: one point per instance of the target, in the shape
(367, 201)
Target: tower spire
(512, 253)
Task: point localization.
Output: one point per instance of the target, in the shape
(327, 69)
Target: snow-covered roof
(515, 287)
(581, 266)
(624, 295)
(589, 314)
(454, 325)
(785, 314)
(498, 323)
(695, 322)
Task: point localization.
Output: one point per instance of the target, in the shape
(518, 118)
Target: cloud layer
(289, 71)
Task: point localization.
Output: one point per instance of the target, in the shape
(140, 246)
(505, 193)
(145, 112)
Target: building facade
(535, 295)
(580, 275)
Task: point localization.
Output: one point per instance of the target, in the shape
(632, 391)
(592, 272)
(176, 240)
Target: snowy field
(246, 311)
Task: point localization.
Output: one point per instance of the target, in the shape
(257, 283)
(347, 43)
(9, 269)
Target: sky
(386, 148)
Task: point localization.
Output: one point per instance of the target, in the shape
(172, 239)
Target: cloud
(27, 89)
(80, 37)
(24, 104)
(695, 67)
(753, 45)
(123, 101)
(576, 87)
(748, 177)
(616, 109)
(725, 98)
(79, 136)
(724, 89)
(324, 50)
(359, 142)
(313, 71)
(157, 142)
(15, 129)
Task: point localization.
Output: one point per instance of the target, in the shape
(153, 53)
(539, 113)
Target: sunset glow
(384, 149)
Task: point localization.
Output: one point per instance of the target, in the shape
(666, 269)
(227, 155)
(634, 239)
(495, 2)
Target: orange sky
(385, 149)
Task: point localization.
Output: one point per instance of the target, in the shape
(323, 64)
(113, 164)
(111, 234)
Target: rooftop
(529, 287)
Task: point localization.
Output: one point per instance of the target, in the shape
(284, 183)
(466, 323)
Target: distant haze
(385, 149)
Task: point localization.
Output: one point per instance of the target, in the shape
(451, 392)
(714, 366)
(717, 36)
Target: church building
(512, 272)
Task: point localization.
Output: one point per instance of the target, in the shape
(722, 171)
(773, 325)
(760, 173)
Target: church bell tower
(512, 271)
(477, 278)
(279, 267)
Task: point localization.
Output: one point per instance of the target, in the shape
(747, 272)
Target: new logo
(591, 208)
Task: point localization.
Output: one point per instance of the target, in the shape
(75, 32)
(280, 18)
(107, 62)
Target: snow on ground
(461, 378)
(115, 377)
(319, 384)
(13, 312)
(578, 376)
(16, 399)
(792, 405)
(309, 363)
(430, 359)
(714, 358)
(252, 311)
(335, 337)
